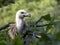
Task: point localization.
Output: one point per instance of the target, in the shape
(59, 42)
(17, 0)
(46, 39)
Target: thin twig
(38, 21)
(31, 25)
(5, 26)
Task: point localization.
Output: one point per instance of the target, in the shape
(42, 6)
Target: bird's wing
(12, 31)
(13, 26)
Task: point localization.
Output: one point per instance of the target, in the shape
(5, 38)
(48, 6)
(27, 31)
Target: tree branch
(38, 21)
(5, 26)
(41, 25)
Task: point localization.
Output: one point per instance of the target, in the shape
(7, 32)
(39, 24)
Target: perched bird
(19, 27)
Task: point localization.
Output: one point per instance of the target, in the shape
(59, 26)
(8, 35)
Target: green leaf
(45, 37)
(57, 29)
(48, 27)
(2, 43)
(58, 36)
(17, 40)
(47, 17)
(57, 25)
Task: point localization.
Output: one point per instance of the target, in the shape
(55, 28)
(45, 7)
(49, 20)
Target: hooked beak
(27, 15)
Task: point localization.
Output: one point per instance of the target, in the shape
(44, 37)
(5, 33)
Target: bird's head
(22, 14)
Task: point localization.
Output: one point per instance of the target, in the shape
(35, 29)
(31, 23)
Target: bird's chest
(20, 26)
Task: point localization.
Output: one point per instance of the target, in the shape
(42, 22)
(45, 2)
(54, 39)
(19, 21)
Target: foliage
(5, 2)
(48, 10)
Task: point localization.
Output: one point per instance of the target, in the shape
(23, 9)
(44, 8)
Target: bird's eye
(22, 12)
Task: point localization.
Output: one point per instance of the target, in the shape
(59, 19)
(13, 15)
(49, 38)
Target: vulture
(19, 27)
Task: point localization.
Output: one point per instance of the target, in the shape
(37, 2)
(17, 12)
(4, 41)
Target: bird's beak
(27, 15)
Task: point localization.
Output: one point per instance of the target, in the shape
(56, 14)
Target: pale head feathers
(22, 14)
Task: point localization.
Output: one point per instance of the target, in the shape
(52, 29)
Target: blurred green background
(37, 9)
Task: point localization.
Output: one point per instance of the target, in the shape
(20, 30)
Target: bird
(19, 27)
